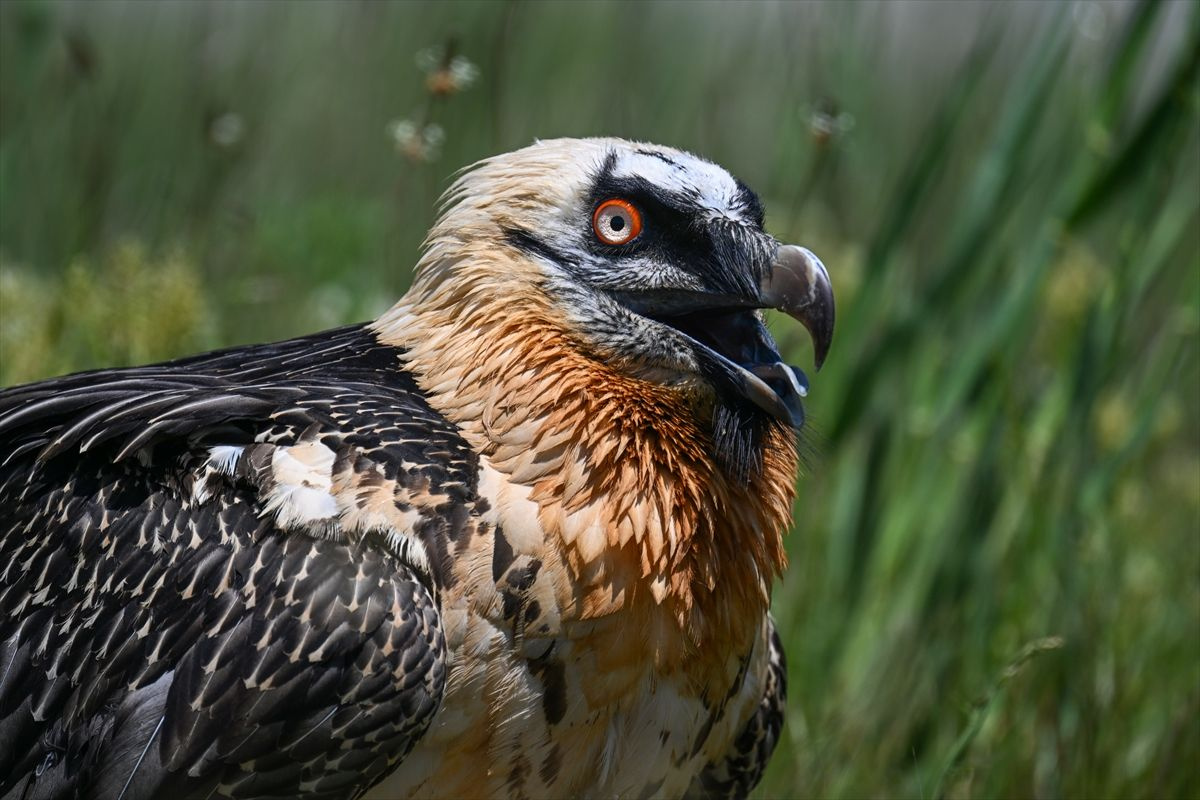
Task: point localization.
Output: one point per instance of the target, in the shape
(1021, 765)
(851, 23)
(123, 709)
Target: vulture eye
(616, 221)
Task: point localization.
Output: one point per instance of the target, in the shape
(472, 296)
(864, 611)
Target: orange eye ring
(616, 221)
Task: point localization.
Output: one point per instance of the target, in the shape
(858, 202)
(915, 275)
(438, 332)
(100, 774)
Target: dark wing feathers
(155, 646)
(742, 768)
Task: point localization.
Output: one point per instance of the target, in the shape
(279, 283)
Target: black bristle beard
(739, 436)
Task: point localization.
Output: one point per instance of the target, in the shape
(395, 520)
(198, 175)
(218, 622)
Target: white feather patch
(224, 457)
(222, 460)
(302, 495)
(300, 506)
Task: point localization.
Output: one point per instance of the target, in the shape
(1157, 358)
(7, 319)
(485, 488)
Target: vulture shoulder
(219, 576)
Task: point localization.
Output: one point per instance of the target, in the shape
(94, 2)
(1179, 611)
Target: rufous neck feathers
(622, 469)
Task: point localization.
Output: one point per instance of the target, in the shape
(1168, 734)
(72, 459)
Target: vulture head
(638, 261)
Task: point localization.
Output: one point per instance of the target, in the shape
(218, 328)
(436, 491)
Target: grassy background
(995, 579)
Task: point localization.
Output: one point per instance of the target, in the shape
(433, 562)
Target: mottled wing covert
(176, 624)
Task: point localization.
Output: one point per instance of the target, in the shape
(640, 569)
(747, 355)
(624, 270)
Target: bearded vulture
(515, 538)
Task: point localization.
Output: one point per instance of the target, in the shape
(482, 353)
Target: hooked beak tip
(798, 285)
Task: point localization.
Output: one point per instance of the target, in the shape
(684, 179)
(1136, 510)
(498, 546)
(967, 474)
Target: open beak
(798, 285)
(737, 349)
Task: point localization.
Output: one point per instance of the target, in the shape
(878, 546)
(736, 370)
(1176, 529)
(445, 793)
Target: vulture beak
(798, 285)
(735, 348)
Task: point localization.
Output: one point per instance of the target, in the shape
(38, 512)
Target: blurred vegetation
(127, 309)
(995, 579)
